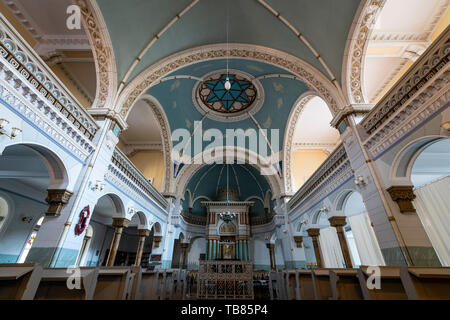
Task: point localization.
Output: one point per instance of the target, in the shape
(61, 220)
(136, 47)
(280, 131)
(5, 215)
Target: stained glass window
(239, 97)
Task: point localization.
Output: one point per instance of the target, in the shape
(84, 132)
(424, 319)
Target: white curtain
(330, 248)
(366, 242)
(433, 207)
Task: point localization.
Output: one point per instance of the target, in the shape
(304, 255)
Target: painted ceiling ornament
(227, 93)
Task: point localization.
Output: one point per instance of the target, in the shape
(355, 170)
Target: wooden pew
(19, 281)
(322, 284)
(292, 285)
(426, 283)
(391, 286)
(59, 284)
(345, 284)
(113, 283)
(306, 285)
(147, 286)
(135, 284)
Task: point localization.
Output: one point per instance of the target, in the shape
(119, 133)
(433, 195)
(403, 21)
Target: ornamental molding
(404, 196)
(166, 139)
(44, 116)
(105, 63)
(357, 43)
(413, 113)
(289, 136)
(313, 78)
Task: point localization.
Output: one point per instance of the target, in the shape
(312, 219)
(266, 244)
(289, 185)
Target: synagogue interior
(224, 149)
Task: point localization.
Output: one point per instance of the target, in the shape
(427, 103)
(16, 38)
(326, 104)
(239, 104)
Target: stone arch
(289, 135)
(355, 50)
(160, 115)
(244, 155)
(141, 220)
(59, 178)
(102, 49)
(401, 168)
(305, 72)
(117, 205)
(156, 229)
(340, 200)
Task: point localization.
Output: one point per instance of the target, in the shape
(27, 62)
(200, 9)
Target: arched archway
(426, 165)
(308, 141)
(30, 177)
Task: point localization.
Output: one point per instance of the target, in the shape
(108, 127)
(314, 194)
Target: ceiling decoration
(211, 97)
(238, 97)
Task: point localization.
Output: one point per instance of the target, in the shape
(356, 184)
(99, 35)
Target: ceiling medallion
(228, 96)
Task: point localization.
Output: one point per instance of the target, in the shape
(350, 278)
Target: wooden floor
(30, 281)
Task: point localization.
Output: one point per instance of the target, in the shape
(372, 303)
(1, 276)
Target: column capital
(298, 241)
(57, 198)
(120, 222)
(338, 221)
(313, 232)
(184, 245)
(157, 240)
(270, 245)
(403, 195)
(143, 232)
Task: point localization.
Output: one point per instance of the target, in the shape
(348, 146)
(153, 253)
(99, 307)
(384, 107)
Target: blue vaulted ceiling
(133, 23)
(175, 96)
(241, 177)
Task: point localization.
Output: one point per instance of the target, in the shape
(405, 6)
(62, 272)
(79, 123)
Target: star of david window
(216, 97)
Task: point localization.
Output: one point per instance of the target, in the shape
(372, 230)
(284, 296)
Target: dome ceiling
(323, 24)
(210, 179)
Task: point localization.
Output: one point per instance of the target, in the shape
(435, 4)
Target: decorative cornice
(431, 65)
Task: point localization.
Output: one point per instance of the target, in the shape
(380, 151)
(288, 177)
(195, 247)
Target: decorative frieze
(57, 199)
(403, 195)
(18, 56)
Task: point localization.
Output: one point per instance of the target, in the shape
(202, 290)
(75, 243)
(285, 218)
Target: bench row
(30, 281)
(365, 283)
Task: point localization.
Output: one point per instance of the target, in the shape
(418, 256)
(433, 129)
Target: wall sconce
(14, 130)
(324, 209)
(99, 185)
(27, 219)
(359, 181)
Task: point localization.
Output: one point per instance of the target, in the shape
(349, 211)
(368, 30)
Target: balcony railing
(323, 173)
(124, 165)
(258, 221)
(193, 219)
(20, 56)
(424, 70)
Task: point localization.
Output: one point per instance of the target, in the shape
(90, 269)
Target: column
(339, 222)
(142, 235)
(184, 247)
(271, 247)
(240, 251)
(314, 234)
(119, 224)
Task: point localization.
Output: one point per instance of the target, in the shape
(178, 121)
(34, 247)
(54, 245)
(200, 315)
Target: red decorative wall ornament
(82, 222)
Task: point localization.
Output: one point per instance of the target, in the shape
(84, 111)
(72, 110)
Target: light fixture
(99, 185)
(359, 181)
(227, 81)
(14, 130)
(227, 216)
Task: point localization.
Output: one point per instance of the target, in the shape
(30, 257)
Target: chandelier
(227, 216)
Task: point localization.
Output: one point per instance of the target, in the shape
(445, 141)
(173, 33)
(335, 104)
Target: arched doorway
(430, 177)
(28, 174)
